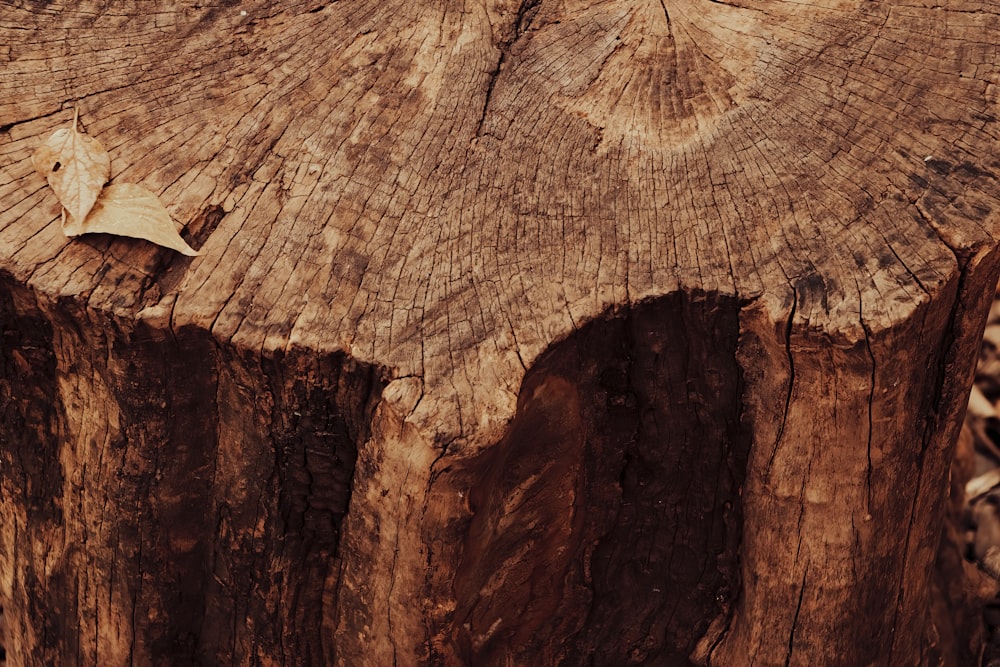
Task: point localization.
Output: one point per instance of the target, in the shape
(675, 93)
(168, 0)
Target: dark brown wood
(522, 333)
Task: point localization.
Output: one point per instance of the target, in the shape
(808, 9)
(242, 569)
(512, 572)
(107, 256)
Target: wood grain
(630, 333)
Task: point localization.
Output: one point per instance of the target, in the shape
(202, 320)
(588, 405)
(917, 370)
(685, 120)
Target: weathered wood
(542, 333)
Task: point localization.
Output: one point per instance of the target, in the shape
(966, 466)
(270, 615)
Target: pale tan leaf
(76, 167)
(127, 209)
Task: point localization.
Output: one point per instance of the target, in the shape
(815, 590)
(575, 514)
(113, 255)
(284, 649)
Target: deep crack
(522, 22)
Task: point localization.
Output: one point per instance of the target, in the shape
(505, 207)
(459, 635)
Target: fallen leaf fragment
(128, 209)
(76, 167)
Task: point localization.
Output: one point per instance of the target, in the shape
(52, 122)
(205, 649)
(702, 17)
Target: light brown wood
(522, 333)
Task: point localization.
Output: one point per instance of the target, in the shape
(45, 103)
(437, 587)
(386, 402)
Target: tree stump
(551, 333)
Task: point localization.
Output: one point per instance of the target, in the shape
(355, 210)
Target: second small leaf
(128, 209)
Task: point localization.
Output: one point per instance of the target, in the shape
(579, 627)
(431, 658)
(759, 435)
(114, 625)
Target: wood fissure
(871, 404)
(521, 24)
(795, 618)
(789, 329)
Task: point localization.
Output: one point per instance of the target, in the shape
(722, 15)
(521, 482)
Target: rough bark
(522, 333)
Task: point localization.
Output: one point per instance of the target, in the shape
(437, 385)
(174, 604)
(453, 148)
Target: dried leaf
(76, 167)
(128, 209)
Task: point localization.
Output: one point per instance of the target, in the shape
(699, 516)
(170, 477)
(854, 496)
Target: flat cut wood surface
(431, 187)
(771, 224)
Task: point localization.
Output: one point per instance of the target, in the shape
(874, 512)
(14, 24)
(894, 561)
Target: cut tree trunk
(551, 333)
